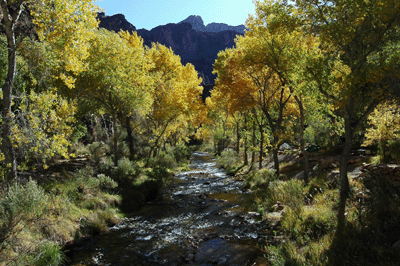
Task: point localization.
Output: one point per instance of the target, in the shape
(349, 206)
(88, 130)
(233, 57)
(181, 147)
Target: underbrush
(38, 220)
(230, 161)
(308, 219)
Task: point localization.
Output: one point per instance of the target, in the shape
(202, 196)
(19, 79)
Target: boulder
(332, 179)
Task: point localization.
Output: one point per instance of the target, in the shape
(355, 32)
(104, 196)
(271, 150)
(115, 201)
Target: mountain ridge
(198, 24)
(199, 48)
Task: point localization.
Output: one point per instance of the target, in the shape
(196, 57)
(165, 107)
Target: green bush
(98, 150)
(20, 205)
(229, 160)
(163, 160)
(260, 179)
(49, 254)
(180, 152)
(125, 169)
(289, 193)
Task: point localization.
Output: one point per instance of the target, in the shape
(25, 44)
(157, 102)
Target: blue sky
(152, 13)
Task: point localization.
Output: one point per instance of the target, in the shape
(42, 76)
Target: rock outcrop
(198, 25)
(115, 23)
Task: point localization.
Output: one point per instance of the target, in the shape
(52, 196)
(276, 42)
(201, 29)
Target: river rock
(333, 179)
(278, 206)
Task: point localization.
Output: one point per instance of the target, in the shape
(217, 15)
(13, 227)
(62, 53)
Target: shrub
(49, 254)
(20, 205)
(181, 152)
(260, 179)
(125, 169)
(229, 160)
(97, 150)
(289, 193)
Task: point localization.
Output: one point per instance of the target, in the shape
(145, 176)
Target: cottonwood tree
(276, 40)
(116, 80)
(356, 67)
(176, 96)
(66, 24)
(247, 85)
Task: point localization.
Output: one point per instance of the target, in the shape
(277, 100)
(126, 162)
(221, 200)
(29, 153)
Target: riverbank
(49, 211)
(203, 218)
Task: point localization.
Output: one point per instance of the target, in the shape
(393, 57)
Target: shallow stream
(204, 218)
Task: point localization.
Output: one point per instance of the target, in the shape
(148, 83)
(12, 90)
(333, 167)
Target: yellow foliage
(384, 124)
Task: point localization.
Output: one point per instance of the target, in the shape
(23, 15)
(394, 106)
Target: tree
(277, 41)
(355, 69)
(116, 80)
(247, 84)
(176, 97)
(385, 126)
(65, 24)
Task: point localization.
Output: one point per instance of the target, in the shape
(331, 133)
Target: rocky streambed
(204, 218)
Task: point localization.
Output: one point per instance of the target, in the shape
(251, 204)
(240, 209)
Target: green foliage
(49, 254)
(260, 179)
(324, 132)
(230, 161)
(163, 161)
(98, 150)
(80, 131)
(19, 205)
(87, 183)
(289, 193)
(126, 169)
(180, 152)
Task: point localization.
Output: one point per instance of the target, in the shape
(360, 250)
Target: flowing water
(204, 218)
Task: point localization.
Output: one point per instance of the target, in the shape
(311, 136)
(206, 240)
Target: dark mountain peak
(196, 22)
(198, 25)
(115, 23)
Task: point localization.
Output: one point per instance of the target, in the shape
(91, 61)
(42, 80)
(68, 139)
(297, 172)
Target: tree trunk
(275, 156)
(130, 138)
(261, 146)
(253, 154)
(115, 139)
(245, 158)
(9, 21)
(237, 138)
(344, 181)
(302, 142)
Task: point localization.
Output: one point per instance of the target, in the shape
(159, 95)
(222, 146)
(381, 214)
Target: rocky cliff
(115, 23)
(198, 24)
(194, 46)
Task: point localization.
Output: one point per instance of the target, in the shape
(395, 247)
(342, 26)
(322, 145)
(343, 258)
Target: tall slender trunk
(130, 138)
(245, 158)
(261, 146)
(302, 142)
(9, 21)
(115, 139)
(253, 153)
(275, 156)
(344, 181)
(237, 138)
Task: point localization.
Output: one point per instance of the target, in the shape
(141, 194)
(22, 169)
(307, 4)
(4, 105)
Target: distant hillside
(199, 47)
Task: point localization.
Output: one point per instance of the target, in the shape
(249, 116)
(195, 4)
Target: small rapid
(204, 218)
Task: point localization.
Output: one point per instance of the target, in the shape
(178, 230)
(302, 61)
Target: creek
(203, 218)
